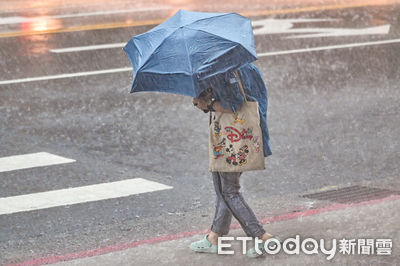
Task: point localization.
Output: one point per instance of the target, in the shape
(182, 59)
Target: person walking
(229, 200)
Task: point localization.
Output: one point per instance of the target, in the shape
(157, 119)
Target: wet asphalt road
(333, 118)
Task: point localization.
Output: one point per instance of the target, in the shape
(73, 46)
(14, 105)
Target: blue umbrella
(189, 48)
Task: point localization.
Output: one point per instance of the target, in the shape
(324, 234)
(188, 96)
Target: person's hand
(200, 103)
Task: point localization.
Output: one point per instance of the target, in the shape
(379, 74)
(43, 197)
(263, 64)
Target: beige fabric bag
(236, 139)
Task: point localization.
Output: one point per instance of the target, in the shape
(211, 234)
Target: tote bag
(235, 141)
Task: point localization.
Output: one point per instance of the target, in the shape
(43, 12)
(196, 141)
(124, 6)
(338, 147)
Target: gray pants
(230, 202)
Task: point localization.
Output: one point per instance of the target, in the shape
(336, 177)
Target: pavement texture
(352, 222)
(327, 221)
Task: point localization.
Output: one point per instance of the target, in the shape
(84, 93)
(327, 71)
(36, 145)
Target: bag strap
(237, 75)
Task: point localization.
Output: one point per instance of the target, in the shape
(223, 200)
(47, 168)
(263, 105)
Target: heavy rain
(92, 174)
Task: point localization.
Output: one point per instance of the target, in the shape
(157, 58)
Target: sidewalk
(367, 220)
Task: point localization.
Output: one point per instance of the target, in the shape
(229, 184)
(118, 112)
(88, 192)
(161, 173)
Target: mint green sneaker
(204, 246)
(252, 253)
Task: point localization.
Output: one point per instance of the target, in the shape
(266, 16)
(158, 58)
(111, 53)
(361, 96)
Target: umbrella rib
(223, 14)
(188, 57)
(236, 43)
(218, 36)
(158, 46)
(188, 25)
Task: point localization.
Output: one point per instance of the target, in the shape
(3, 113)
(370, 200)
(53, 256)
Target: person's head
(207, 93)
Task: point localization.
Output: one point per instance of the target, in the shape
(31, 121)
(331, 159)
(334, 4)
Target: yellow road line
(158, 21)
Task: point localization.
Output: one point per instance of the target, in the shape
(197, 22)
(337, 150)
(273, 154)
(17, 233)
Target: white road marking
(281, 26)
(69, 196)
(17, 19)
(269, 26)
(31, 160)
(264, 26)
(70, 75)
(285, 26)
(125, 69)
(88, 48)
(334, 32)
(330, 47)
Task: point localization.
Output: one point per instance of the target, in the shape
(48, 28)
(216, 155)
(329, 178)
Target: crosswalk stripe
(31, 160)
(69, 196)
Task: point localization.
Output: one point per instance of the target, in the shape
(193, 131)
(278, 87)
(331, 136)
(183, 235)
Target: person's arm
(218, 107)
(202, 105)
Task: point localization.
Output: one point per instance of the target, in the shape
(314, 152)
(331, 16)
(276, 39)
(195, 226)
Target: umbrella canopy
(188, 48)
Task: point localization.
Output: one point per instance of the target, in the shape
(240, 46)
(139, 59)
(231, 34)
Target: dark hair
(207, 93)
